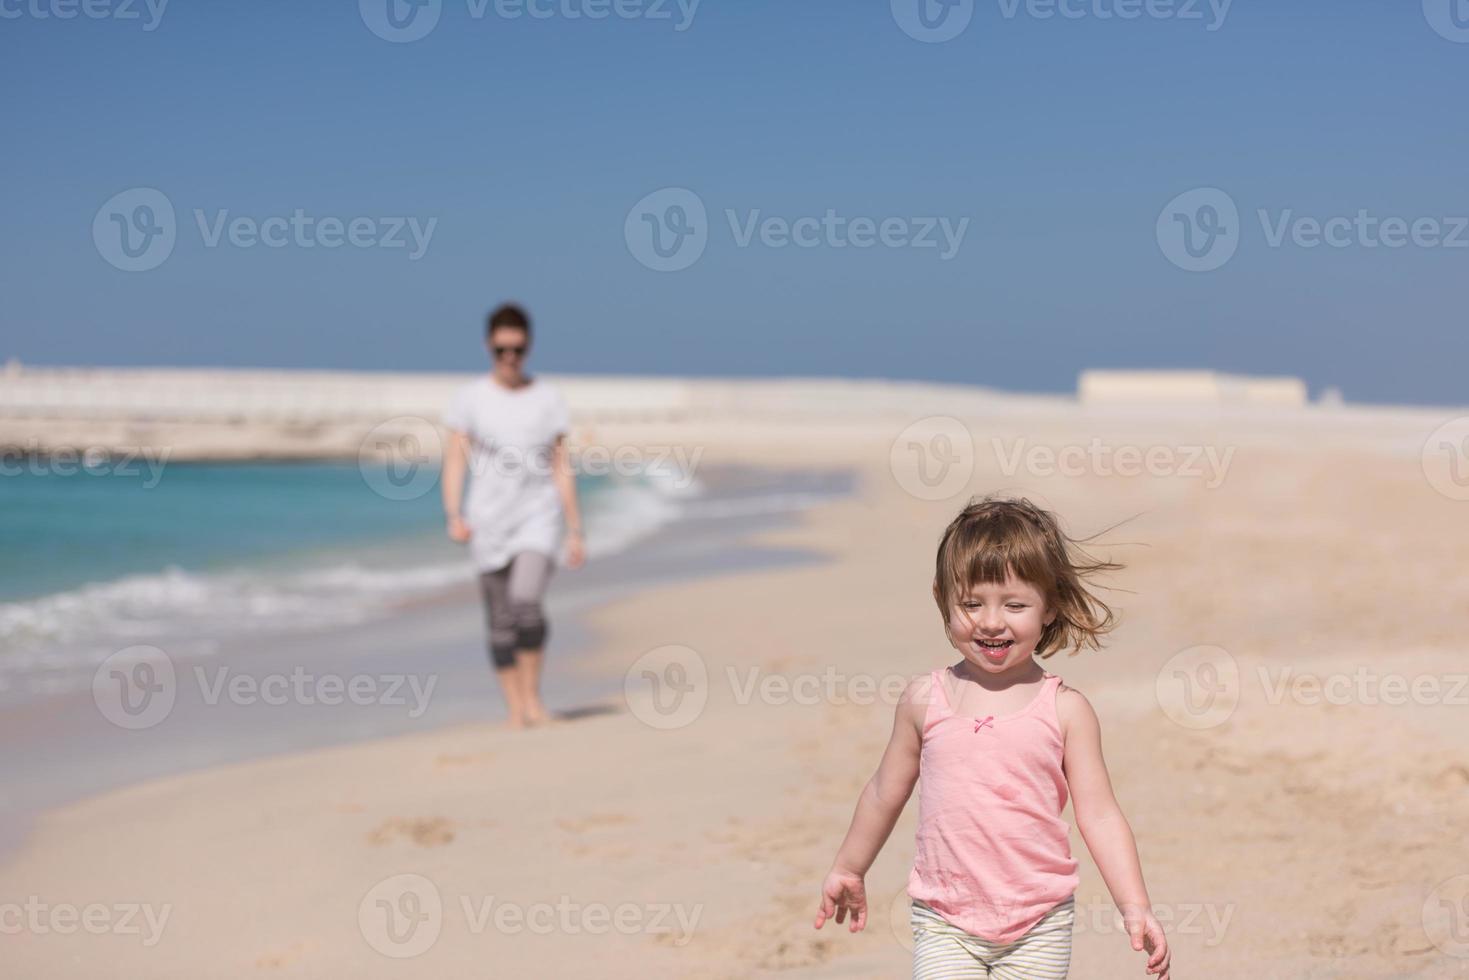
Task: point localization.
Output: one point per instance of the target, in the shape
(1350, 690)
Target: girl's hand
(843, 893)
(1147, 933)
(458, 529)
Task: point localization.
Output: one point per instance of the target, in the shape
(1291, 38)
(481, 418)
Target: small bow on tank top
(981, 722)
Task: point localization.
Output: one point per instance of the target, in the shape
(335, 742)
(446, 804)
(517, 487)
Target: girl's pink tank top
(993, 854)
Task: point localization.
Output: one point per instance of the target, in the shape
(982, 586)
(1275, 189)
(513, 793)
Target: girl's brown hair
(996, 536)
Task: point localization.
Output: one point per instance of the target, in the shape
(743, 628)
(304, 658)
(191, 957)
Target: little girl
(1000, 743)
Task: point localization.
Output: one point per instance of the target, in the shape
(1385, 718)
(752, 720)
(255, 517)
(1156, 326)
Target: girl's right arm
(843, 892)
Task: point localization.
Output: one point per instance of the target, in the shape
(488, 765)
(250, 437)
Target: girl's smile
(994, 651)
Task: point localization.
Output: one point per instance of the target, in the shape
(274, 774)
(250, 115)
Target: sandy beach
(1298, 814)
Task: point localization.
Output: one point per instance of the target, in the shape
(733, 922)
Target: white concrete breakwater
(247, 413)
(222, 413)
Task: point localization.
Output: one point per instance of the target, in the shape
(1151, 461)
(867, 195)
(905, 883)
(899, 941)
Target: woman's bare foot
(536, 714)
(513, 723)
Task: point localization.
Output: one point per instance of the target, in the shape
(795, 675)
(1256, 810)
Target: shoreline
(444, 630)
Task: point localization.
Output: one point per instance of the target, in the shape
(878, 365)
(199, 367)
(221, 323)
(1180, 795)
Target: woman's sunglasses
(502, 351)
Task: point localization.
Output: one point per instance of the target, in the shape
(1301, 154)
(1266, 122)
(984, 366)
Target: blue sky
(521, 146)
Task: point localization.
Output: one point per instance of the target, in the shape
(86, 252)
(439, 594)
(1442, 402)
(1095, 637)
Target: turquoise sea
(91, 561)
(61, 532)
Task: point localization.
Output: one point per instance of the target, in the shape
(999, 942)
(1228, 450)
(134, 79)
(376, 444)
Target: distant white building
(1189, 386)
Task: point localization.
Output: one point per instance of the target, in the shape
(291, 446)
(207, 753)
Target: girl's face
(996, 627)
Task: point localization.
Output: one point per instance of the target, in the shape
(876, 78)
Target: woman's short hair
(508, 315)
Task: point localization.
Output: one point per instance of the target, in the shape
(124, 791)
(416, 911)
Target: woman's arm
(451, 485)
(878, 808)
(566, 486)
(1106, 831)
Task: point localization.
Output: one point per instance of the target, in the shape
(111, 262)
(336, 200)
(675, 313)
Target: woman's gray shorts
(514, 605)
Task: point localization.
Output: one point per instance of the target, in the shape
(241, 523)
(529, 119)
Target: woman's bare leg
(513, 689)
(528, 666)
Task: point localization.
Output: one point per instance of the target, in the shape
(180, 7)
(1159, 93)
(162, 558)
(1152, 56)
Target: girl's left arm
(1106, 831)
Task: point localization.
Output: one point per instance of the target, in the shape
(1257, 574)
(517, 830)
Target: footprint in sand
(448, 760)
(605, 850)
(276, 961)
(423, 831)
(593, 821)
(791, 954)
(1452, 779)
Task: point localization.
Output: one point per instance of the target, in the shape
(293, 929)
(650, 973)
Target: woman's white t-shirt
(512, 504)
